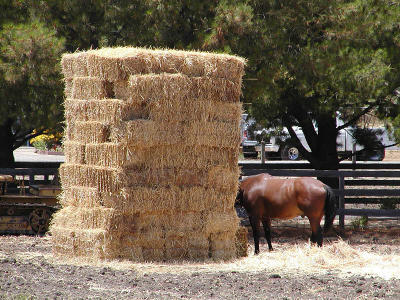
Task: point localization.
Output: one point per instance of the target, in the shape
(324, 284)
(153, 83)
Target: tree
(93, 24)
(312, 60)
(30, 84)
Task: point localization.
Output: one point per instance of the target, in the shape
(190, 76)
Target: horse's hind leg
(267, 229)
(255, 226)
(316, 232)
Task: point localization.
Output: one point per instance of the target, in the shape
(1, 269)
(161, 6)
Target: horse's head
(239, 197)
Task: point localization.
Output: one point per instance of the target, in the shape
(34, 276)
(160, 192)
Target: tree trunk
(6, 144)
(325, 154)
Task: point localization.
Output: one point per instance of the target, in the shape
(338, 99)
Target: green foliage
(360, 223)
(30, 85)
(309, 59)
(30, 82)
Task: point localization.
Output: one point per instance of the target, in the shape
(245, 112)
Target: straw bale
(151, 155)
(107, 68)
(212, 134)
(224, 254)
(153, 87)
(217, 222)
(222, 240)
(68, 83)
(186, 240)
(114, 64)
(86, 88)
(78, 242)
(153, 239)
(179, 222)
(241, 241)
(150, 254)
(124, 252)
(138, 106)
(171, 198)
(81, 196)
(110, 155)
(179, 156)
(74, 152)
(223, 245)
(88, 218)
(123, 91)
(178, 87)
(88, 132)
(218, 177)
(187, 110)
(109, 111)
(217, 89)
(186, 253)
(103, 179)
(147, 133)
(74, 64)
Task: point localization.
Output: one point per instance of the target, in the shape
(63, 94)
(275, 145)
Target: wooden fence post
(341, 201)
(262, 152)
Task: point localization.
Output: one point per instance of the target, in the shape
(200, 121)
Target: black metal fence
(370, 183)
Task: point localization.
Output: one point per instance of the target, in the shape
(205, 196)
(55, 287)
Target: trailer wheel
(289, 152)
(39, 220)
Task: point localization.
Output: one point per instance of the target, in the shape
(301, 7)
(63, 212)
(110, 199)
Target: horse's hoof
(256, 252)
(271, 249)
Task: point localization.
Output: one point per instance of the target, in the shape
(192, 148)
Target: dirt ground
(364, 263)
(29, 271)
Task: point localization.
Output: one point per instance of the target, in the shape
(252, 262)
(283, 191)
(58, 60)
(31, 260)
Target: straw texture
(151, 145)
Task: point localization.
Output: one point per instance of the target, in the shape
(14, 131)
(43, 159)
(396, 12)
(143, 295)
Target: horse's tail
(330, 208)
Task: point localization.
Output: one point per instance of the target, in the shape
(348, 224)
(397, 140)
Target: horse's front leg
(267, 229)
(255, 226)
(316, 231)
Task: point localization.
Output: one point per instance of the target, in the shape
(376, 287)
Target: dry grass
(337, 257)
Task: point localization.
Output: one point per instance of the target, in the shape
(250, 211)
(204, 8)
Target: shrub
(47, 141)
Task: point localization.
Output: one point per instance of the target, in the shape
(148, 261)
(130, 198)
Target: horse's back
(310, 194)
(308, 186)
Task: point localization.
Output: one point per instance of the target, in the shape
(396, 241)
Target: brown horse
(266, 197)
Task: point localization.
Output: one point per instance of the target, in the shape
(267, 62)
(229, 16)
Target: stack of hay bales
(151, 144)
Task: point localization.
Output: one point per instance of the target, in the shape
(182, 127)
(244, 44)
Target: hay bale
(76, 242)
(151, 149)
(68, 83)
(86, 88)
(113, 64)
(74, 65)
(81, 196)
(170, 198)
(88, 132)
(179, 87)
(147, 133)
(109, 111)
(218, 177)
(74, 152)
(110, 155)
(241, 241)
(103, 179)
(186, 157)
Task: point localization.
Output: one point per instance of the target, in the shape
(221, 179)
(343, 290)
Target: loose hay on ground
(338, 258)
